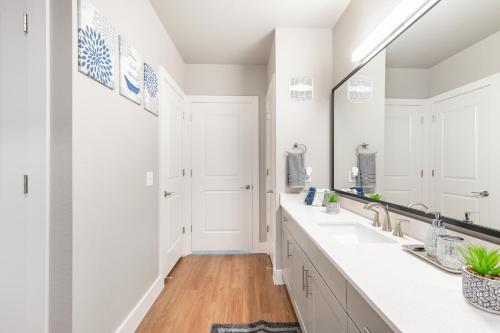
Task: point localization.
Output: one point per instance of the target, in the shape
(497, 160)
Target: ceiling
(448, 28)
(239, 31)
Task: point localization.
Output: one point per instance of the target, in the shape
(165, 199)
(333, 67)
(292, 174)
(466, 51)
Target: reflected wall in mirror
(420, 122)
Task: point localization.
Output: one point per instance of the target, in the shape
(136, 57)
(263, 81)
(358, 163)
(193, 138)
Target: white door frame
(256, 245)
(164, 75)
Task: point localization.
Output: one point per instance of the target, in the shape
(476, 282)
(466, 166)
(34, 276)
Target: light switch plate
(149, 178)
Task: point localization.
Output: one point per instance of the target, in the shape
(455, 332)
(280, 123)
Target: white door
(403, 171)
(172, 172)
(23, 235)
(464, 149)
(225, 165)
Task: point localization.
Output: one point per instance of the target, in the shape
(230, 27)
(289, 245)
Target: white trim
(278, 277)
(257, 246)
(134, 318)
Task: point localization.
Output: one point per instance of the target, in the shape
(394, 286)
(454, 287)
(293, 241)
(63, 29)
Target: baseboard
(134, 318)
(278, 276)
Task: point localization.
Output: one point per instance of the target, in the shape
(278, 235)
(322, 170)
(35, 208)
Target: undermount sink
(355, 234)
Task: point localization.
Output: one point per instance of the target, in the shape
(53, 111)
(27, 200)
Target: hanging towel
(296, 170)
(367, 177)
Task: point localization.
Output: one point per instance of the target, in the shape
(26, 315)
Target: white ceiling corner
(239, 31)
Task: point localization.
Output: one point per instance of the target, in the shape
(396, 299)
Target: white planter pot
(332, 207)
(481, 292)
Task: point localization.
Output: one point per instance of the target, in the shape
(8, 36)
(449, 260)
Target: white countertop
(410, 294)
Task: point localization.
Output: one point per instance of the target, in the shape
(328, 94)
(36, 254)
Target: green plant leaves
(481, 260)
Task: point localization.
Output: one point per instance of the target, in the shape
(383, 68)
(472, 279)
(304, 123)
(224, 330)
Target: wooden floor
(207, 289)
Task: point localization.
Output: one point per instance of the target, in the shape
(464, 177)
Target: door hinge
(183, 115)
(267, 228)
(433, 118)
(422, 120)
(25, 184)
(183, 230)
(191, 172)
(422, 173)
(267, 172)
(191, 228)
(25, 22)
(433, 173)
(183, 172)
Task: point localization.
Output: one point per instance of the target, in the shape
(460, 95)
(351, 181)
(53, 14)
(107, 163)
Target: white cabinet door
(403, 171)
(463, 153)
(286, 252)
(300, 265)
(326, 313)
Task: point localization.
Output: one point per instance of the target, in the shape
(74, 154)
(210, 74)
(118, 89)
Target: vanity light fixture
(407, 12)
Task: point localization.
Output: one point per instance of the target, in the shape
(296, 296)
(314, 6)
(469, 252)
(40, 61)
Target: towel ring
(300, 146)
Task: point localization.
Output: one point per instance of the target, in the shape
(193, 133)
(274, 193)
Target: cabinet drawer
(295, 231)
(333, 278)
(363, 315)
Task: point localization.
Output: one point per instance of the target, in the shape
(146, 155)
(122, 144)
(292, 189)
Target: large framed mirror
(418, 125)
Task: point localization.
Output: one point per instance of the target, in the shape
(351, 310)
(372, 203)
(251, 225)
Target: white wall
(476, 62)
(357, 123)
(303, 52)
(355, 24)
(412, 83)
(236, 80)
(115, 142)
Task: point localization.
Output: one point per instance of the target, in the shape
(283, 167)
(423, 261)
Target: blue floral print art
(94, 56)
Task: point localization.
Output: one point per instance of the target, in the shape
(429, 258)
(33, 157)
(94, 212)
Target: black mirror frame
(478, 231)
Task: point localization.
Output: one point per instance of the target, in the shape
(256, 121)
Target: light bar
(407, 12)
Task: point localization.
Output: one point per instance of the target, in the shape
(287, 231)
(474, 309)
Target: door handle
(168, 194)
(270, 191)
(482, 194)
(246, 187)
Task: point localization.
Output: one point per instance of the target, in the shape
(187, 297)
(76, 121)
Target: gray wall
(309, 122)
(115, 142)
(60, 303)
(236, 80)
(474, 63)
(355, 24)
(407, 83)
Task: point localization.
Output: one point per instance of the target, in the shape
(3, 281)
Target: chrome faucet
(468, 219)
(387, 221)
(417, 204)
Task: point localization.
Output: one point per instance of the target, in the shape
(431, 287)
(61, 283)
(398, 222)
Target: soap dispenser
(436, 229)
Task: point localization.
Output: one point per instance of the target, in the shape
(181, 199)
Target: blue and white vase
(481, 292)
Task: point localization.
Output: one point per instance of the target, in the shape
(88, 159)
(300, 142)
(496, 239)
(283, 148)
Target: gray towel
(296, 170)
(367, 178)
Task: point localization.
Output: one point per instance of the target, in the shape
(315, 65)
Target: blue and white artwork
(130, 72)
(151, 85)
(96, 45)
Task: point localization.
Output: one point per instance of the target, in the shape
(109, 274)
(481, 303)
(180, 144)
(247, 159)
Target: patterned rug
(258, 327)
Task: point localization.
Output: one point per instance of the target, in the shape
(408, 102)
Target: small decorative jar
(333, 207)
(481, 291)
(447, 251)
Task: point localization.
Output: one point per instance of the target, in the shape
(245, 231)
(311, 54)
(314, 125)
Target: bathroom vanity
(343, 275)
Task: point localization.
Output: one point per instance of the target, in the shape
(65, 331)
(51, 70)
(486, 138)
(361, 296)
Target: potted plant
(376, 196)
(332, 204)
(481, 277)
